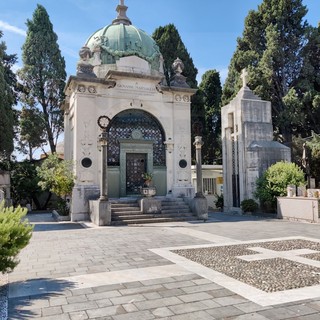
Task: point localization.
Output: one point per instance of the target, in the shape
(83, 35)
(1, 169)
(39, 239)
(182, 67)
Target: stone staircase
(124, 212)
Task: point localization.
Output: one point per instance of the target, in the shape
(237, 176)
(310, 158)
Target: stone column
(103, 179)
(198, 143)
(100, 210)
(199, 203)
(170, 167)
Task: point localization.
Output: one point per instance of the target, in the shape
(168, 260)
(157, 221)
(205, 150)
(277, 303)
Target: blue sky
(208, 28)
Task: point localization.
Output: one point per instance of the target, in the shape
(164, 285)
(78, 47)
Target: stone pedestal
(150, 205)
(149, 191)
(199, 207)
(100, 212)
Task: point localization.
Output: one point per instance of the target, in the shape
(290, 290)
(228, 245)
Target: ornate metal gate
(136, 165)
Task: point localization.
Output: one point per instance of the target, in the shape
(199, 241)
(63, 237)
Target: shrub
(56, 175)
(219, 201)
(275, 180)
(15, 233)
(249, 205)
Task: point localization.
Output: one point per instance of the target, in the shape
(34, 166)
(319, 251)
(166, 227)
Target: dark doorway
(136, 165)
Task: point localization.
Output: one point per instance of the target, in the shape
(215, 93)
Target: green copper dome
(122, 39)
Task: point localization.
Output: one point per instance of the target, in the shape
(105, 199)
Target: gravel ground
(3, 297)
(269, 275)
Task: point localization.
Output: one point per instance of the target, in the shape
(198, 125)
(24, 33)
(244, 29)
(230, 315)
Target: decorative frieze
(92, 89)
(179, 98)
(82, 88)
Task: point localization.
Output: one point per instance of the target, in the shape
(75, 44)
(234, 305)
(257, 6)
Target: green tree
(24, 184)
(7, 101)
(314, 156)
(15, 234)
(43, 74)
(171, 48)
(308, 86)
(210, 90)
(57, 176)
(272, 49)
(32, 131)
(274, 182)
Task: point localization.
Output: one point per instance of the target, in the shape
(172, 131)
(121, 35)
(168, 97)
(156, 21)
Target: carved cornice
(114, 74)
(89, 82)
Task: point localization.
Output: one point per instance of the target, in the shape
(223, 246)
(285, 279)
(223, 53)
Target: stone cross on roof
(122, 16)
(244, 77)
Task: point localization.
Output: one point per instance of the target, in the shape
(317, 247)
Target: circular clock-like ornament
(103, 122)
(136, 134)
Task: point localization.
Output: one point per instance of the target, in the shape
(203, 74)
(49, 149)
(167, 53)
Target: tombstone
(247, 145)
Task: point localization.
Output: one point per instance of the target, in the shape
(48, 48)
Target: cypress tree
(43, 74)
(171, 48)
(7, 101)
(211, 91)
(272, 49)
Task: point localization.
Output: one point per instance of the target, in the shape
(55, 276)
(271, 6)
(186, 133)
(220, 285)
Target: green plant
(219, 201)
(147, 176)
(249, 205)
(56, 175)
(274, 183)
(15, 233)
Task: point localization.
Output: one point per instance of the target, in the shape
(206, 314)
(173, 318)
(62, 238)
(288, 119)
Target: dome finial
(122, 16)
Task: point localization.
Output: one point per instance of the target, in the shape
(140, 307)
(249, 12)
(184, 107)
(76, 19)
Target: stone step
(124, 205)
(124, 209)
(179, 205)
(150, 216)
(176, 211)
(126, 213)
(129, 212)
(152, 220)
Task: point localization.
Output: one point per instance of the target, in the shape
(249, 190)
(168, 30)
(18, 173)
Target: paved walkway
(73, 271)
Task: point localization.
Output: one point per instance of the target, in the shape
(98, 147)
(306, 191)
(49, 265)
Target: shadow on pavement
(43, 221)
(26, 298)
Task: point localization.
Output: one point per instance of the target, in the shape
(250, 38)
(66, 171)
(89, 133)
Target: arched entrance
(135, 145)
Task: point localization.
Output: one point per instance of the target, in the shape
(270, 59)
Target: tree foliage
(280, 50)
(57, 176)
(210, 90)
(15, 233)
(314, 156)
(172, 47)
(32, 131)
(7, 101)
(43, 77)
(275, 180)
(24, 183)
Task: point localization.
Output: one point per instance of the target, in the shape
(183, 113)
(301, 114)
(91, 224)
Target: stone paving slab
(120, 273)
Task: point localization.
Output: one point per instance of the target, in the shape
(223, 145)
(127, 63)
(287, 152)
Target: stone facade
(248, 146)
(149, 122)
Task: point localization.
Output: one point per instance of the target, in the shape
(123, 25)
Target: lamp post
(103, 122)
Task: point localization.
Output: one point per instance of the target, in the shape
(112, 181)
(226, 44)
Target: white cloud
(6, 26)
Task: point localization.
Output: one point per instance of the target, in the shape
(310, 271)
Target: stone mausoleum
(248, 148)
(120, 76)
